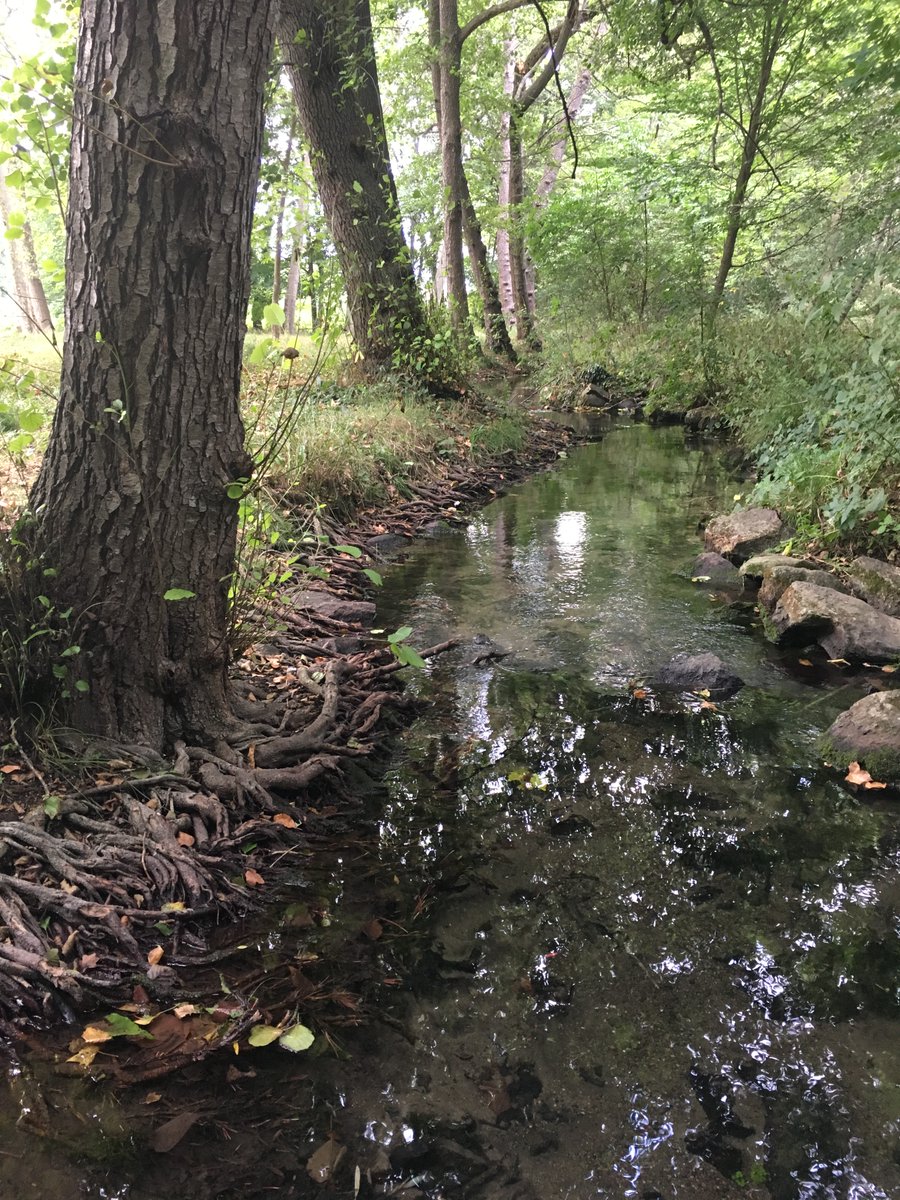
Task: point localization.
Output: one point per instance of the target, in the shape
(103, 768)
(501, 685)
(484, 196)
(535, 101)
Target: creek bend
(631, 946)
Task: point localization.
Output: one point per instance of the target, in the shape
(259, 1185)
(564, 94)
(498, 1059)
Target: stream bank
(622, 944)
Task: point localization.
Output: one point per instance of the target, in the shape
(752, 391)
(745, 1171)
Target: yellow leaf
(889, 670)
(85, 1056)
(284, 819)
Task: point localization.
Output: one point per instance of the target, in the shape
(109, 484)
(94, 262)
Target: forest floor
(115, 868)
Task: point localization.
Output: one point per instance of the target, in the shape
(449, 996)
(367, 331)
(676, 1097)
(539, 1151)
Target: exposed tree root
(106, 881)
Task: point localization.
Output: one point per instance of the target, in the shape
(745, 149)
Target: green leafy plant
(401, 651)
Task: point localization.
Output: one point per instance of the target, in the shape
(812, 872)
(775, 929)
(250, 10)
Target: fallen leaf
(167, 1136)
(804, 662)
(153, 1098)
(872, 784)
(640, 693)
(284, 819)
(373, 930)
(87, 962)
(94, 1035)
(185, 1010)
(263, 1035)
(185, 839)
(69, 888)
(297, 1038)
(322, 1164)
(709, 704)
(889, 670)
(85, 1056)
(174, 906)
(703, 692)
(838, 662)
(10, 769)
(155, 956)
(253, 878)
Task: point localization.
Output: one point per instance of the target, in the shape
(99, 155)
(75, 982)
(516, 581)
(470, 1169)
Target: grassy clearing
(320, 439)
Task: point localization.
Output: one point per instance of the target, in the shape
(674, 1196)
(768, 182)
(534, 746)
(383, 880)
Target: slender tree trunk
(147, 437)
(504, 264)
(749, 152)
(496, 334)
(279, 216)
(291, 290)
(32, 310)
(444, 27)
(343, 125)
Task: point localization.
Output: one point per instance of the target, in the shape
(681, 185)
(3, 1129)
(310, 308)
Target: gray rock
(756, 568)
(385, 544)
(844, 626)
(357, 611)
(779, 578)
(696, 673)
(740, 535)
(594, 396)
(878, 583)
(869, 733)
(717, 570)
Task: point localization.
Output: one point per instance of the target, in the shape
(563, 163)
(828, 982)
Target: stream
(624, 945)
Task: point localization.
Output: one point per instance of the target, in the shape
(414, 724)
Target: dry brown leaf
(69, 888)
(284, 819)
(185, 1010)
(872, 784)
(10, 769)
(373, 930)
(321, 1165)
(94, 1035)
(710, 705)
(804, 662)
(185, 839)
(153, 1098)
(855, 774)
(87, 962)
(639, 693)
(889, 670)
(253, 878)
(155, 956)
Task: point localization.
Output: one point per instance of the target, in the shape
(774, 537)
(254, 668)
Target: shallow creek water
(630, 946)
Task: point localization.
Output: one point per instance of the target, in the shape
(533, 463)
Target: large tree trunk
(330, 54)
(131, 500)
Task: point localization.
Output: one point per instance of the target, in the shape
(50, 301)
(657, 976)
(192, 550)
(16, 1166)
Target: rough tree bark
(131, 500)
(330, 54)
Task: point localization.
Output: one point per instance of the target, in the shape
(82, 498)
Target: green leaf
(409, 657)
(400, 635)
(82, 685)
(263, 1035)
(178, 594)
(51, 806)
(273, 314)
(20, 442)
(15, 179)
(31, 420)
(297, 1038)
(122, 1026)
(353, 551)
(357, 186)
(259, 352)
(373, 577)
(234, 491)
(70, 652)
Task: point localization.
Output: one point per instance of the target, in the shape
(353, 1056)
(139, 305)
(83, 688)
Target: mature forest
(273, 267)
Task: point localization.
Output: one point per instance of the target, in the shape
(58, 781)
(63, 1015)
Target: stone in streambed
(740, 535)
(327, 605)
(843, 626)
(697, 673)
(878, 583)
(777, 580)
(718, 571)
(869, 733)
(756, 568)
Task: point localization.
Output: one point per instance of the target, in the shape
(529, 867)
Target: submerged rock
(716, 570)
(740, 535)
(843, 626)
(878, 583)
(869, 733)
(696, 673)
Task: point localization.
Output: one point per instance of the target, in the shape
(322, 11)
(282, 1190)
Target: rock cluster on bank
(853, 616)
